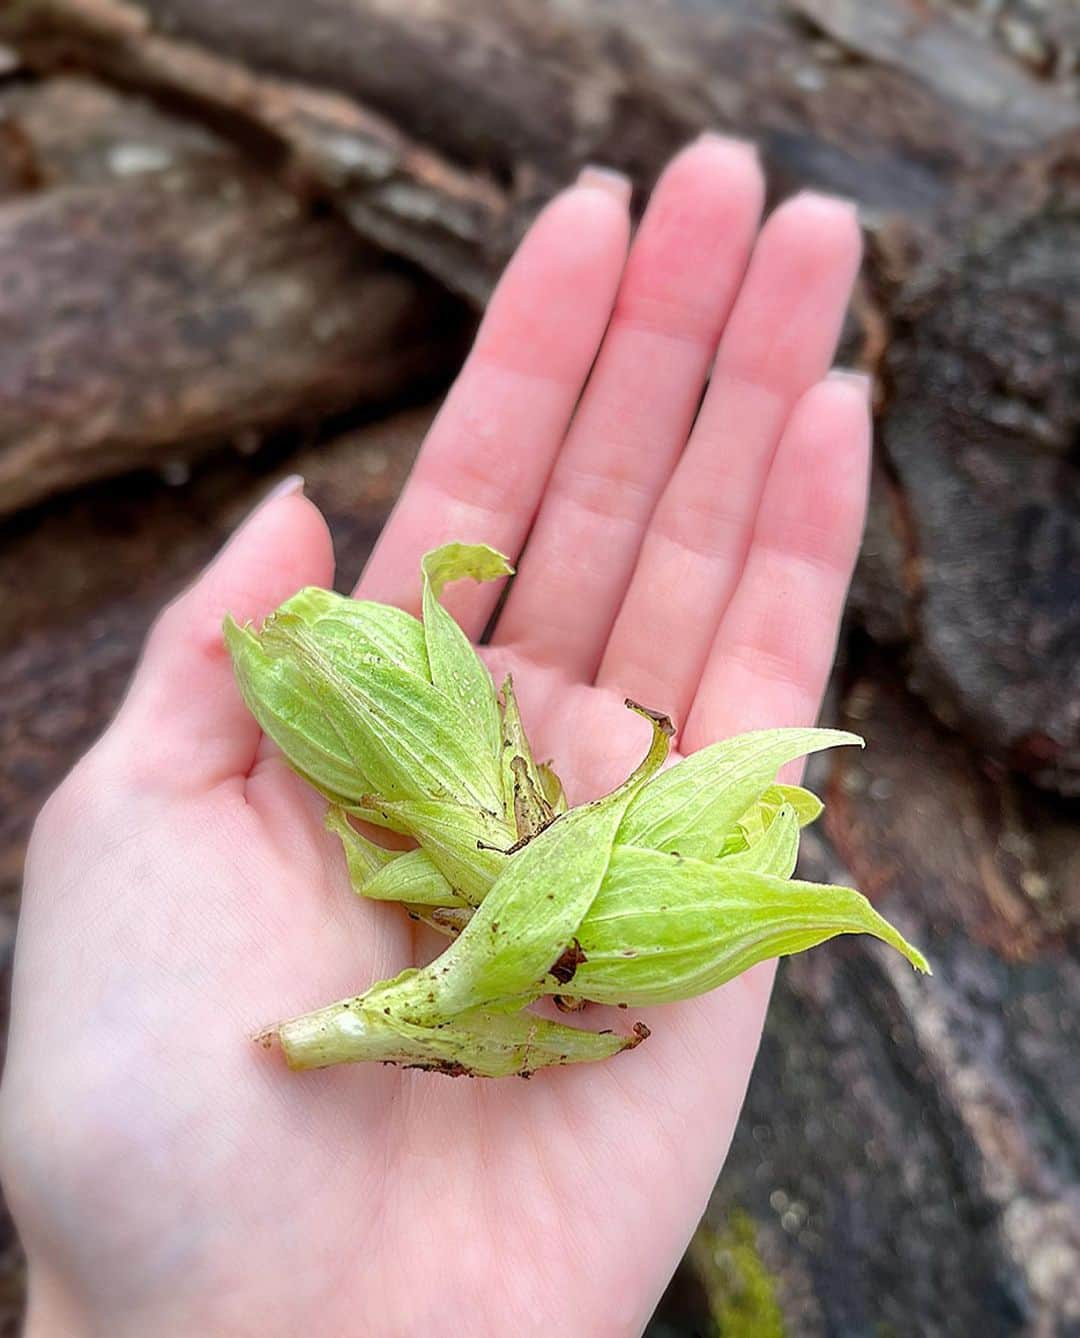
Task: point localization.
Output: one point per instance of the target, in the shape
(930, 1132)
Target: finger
(768, 667)
(774, 647)
(779, 341)
(681, 278)
(183, 722)
(483, 467)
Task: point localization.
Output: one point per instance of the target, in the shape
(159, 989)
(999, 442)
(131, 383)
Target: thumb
(183, 718)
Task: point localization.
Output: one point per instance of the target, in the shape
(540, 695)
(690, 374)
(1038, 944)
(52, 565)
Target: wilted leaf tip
(235, 634)
(660, 719)
(455, 561)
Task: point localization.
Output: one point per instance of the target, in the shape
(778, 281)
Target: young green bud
(775, 851)
(364, 700)
(691, 807)
(755, 821)
(664, 927)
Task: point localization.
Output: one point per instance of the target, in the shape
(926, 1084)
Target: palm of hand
(182, 893)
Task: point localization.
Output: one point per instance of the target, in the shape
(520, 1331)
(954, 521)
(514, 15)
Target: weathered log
(391, 188)
(932, 128)
(523, 93)
(158, 297)
(978, 435)
(70, 131)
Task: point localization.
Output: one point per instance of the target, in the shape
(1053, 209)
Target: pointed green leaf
(456, 669)
(808, 807)
(756, 819)
(363, 858)
(390, 875)
(735, 841)
(456, 561)
(691, 807)
(412, 877)
(664, 927)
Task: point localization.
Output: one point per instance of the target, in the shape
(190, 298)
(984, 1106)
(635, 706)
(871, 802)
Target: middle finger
(680, 281)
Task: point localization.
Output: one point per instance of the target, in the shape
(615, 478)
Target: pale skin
(170, 1177)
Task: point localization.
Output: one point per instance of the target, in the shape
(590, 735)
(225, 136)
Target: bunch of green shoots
(665, 888)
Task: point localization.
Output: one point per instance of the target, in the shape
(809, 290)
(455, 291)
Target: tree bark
(158, 296)
(437, 126)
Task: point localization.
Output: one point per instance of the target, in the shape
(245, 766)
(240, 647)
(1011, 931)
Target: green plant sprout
(675, 882)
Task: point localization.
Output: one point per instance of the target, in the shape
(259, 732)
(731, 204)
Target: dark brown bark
(391, 188)
(891, 103)
(158, 296)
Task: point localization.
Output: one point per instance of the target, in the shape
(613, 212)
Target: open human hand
(662, 429)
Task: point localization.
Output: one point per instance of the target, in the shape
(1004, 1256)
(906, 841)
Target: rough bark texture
(158, 296)
(231, 226)
(892, 103)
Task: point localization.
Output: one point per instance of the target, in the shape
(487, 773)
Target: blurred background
(240, 239)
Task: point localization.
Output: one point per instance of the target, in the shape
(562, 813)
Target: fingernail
(286, 487)
(853, 377)
(617, 184)
(832, 201)
(747, 146)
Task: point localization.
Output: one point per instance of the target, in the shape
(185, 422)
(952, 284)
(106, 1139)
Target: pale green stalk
(478, 1044)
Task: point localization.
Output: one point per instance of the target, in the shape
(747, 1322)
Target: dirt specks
(567, 964)
(641, 1033)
